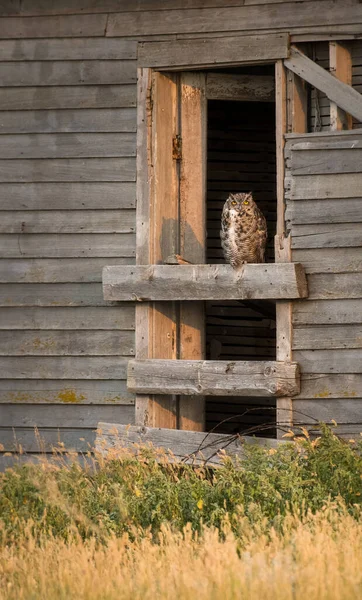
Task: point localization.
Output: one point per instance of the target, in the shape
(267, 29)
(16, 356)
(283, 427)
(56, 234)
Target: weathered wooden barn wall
(67, 173)
(324, 182)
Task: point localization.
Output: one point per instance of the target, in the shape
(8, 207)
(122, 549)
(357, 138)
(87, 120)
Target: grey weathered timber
(69, 392)
(98, 221)
(343, 411)
(73, 72)
(210, 52)
(325, 286)
(315, 187)
(63, 367)
(59, 270)
(328, 312)
(67, 196)
(67, 245)
(213, 378)
(73, 96)
(330, 235)
(329, 361)
(69, 317)
(325, 161)
(68, 121)
(291, 16)
(75, 169)
(29, 439)
(324, 385)
(68, 145)
(337, 91)
(204, 282)
(67, 343)
(328, 336)
(48, 27)
(80, 416)
(64, 49)
(63, 294)
(307, 212)
(191, 446)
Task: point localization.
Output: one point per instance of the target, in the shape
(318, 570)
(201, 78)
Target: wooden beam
(192, 214)
(204, 282)
(197, 53)
(342, 94)
(191, 447)
(214, 378)
(340, 65)
(297, 98)
(250, 88)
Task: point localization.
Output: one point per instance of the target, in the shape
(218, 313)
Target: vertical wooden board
(193, 110)
(158, 324)
(297, 103)
(282, 244)
(340, 63)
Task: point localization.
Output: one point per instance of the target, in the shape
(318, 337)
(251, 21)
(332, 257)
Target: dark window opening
(241, 157)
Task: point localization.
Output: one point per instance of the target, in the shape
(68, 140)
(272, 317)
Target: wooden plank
(97, 96)
(64, 49)
(328, 312)
(209, 52)
(193, 446)
(325, 162)
(289, 16)
(251, 88)
(67, 196)
(66, 245)
(280, 129)
(49, 27)
(307, 212)
(67, 145)
(72, 72)
(322, 385)
(68, 121)
(46, 439)
(110, 317)
(55, 270)
(342, 94)
(328, 286)
(328, 337)
(67, 343)
(68, 392)
(204, 282)
(75, 221)
(193, 115)
(63, 367)
(329, 361)
(75, 169)
(86, 416)
(315, 187)
(324, 410)
(51, 294)
(213, 378)
(297, 104)
(334, 235)
(340, 65)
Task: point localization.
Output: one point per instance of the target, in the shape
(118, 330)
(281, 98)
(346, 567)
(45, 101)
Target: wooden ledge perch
(214, 378)
(282, 281)
(192, 447)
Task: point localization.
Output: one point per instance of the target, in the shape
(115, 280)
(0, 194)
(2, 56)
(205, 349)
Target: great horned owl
(243, 231)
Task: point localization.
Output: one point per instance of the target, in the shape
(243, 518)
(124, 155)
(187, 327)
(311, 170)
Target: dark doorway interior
(241, 158)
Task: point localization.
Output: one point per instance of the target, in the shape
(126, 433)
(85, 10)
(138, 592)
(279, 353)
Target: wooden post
(193, 110)
(340, 65)
(297, 103)
(282, 245)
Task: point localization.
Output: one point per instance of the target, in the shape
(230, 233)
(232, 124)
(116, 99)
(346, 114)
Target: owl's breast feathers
(243, 236)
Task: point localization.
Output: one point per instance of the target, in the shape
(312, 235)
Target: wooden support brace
(204, 282)
(214, 378)
(340, 65)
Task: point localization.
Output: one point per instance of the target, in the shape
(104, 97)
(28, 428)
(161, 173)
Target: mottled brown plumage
(243, 231)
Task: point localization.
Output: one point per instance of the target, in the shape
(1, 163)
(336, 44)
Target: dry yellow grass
(319, 558)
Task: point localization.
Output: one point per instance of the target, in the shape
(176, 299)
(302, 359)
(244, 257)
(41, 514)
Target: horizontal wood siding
(67, 182)
(323, 214)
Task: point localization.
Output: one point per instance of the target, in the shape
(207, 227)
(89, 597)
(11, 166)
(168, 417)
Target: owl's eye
(246, 202)
(234, 203)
